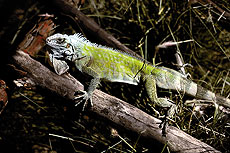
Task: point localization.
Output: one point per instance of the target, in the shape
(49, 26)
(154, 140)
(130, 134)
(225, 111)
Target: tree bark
(111, 107)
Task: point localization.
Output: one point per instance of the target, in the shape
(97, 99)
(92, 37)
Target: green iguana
(102, 62)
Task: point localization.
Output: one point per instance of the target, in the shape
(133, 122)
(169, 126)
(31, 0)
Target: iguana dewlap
(102, 62)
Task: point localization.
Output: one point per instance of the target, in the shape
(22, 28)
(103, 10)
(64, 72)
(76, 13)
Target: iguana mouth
(79, 58)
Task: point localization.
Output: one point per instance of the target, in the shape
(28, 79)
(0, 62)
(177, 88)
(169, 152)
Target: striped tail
(203, 93)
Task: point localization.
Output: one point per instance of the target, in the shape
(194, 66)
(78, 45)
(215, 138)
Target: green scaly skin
(102, 62)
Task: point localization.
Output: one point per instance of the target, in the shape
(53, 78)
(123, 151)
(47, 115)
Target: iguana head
(59, 52)
(61, 46)
(66, 48)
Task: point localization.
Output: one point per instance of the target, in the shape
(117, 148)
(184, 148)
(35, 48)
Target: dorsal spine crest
(81, 41)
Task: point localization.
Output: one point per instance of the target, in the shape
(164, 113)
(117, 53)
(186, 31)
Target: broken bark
(110, 107)
(3, 95)
(34, 40)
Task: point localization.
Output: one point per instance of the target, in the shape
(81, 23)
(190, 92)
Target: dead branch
(111, 107)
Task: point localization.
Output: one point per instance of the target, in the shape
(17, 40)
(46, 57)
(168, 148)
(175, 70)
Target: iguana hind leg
(150, 85)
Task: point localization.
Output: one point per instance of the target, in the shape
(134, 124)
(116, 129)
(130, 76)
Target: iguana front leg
(150, 85)
(87, 95)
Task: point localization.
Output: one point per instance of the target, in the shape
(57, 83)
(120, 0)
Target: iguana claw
(84, 98)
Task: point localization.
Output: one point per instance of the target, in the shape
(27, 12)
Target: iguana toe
(84, 97)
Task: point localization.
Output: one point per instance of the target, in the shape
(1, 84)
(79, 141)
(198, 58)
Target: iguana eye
(61, 40)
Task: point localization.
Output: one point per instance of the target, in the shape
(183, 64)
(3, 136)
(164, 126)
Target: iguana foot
(171, 110)
(83, 97)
